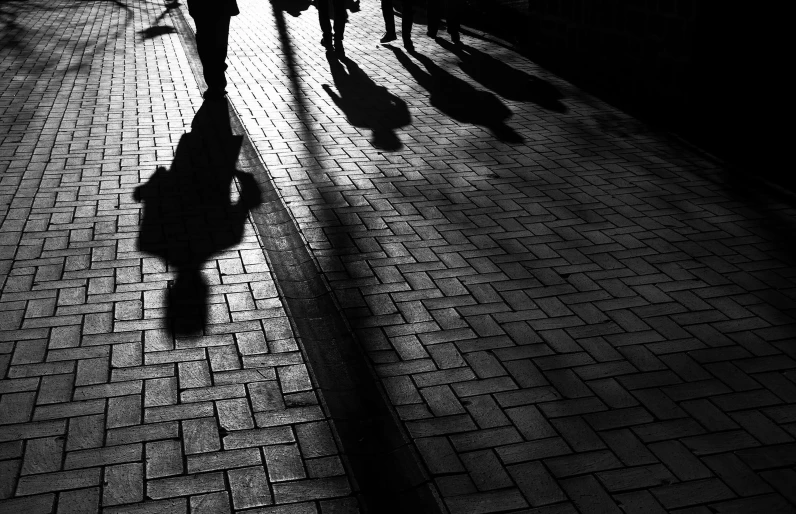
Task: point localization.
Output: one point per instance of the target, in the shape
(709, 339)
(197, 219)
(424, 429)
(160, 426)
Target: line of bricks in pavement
(100, 408)
(589, 320)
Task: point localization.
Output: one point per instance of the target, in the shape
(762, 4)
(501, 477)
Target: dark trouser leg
(407, 18)
(452, 15)
(339, 19)
(434, 15)
(389, 17)
(212, 36)
(323, 17)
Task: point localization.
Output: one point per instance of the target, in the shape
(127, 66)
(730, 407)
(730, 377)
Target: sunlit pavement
(557, 306)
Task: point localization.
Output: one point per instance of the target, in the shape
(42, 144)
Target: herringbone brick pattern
(568, 309)
(101, 408)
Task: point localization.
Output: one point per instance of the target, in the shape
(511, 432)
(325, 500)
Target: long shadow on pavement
(504, 79)
(367, 104)
(456, 98)
(188, 212)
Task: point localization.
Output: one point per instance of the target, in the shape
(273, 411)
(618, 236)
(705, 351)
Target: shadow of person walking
(458, 99)
(189, 213)
(504, 79)
(366, 104)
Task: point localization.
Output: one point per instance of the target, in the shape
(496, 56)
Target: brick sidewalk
(566, 309)
(101, 407)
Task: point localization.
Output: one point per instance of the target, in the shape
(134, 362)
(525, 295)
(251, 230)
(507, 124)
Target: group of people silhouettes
(212, 19)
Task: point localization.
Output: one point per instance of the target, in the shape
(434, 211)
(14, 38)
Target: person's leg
(323, 19)
(433, 8)
(407, 18)
(452, 16)
(212, 35)
(389, 21)
(340, 18)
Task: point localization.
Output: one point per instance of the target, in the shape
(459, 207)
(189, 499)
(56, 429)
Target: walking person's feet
(326, 41)
(338, 47)
(388, 36)
(408, 44)
(456, 38)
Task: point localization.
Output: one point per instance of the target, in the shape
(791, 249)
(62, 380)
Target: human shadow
(366, 104)
(292, 7)
(158, 30)
(458, 99)
(188, 212)
(504, 79)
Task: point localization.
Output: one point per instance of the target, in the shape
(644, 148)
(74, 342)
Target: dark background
(715, 73)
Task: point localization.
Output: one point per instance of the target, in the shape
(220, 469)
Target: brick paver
(566, 309)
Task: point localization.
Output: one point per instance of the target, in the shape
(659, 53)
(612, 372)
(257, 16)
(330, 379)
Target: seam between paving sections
(386, 469)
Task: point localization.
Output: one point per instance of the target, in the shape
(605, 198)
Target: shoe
(456, 38)
(214, 94)
(338, 47)
(431, 33)
(389, 36)
(327, 41)
(408, 44)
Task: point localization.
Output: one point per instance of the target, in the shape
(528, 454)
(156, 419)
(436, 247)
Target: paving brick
(691, 493)
(249, 487)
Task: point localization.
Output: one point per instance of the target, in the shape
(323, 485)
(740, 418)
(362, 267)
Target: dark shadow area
(504, 79)
(188, 214)
(157, 30)
(456, 98)
(366, 104)
(292, 7)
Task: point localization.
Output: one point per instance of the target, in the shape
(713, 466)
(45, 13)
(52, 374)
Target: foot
(214, 94)
(408, 44)
(338, 47)
(326, 41)
(389, 36)
(455, 38)
(431, 33)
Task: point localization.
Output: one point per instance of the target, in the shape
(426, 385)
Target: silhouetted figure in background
(368, 105)
(451, 15)
(212, 19)
(188, 215)
(458, 99)
(340, 17)
(408, 17)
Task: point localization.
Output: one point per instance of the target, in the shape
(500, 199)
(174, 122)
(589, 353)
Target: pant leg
(407, 19)
(389, 17)
(340, 17)
(433, 8)
(452, 16)
(212, 38)
(323, 16)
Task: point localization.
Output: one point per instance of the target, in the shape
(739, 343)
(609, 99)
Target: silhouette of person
(408, 16)
(340, 17)
(212, 18)
(188, 215)
(458, 99)
(368, 105)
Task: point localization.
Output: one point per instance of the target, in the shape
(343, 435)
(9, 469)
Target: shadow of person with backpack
(189, 214)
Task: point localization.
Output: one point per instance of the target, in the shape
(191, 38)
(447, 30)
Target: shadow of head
(157, 30)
